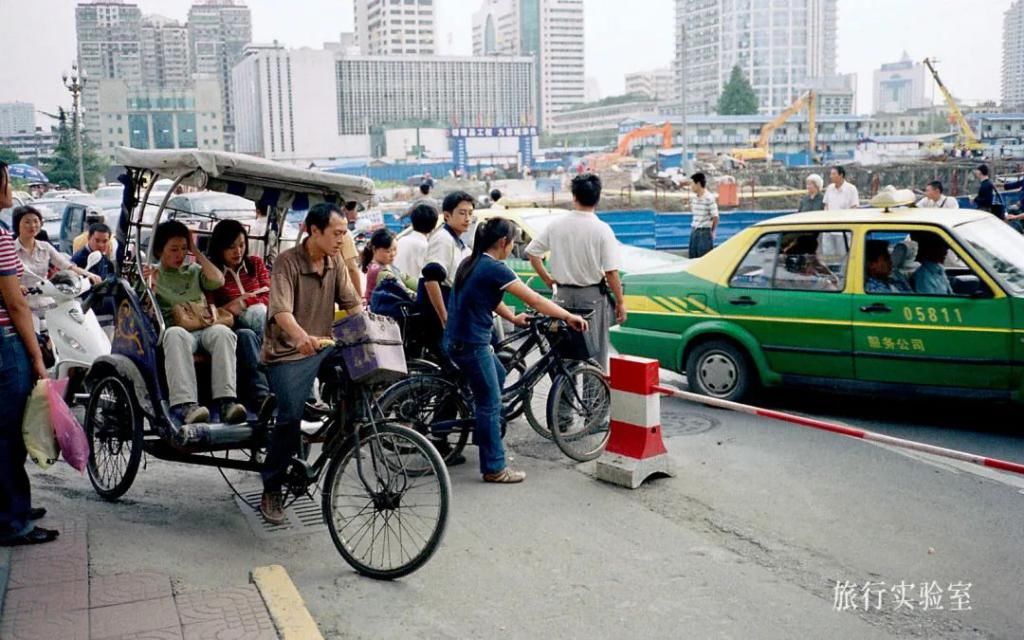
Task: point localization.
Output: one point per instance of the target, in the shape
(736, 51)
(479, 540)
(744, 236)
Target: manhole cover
(687, 425)
(302, 516)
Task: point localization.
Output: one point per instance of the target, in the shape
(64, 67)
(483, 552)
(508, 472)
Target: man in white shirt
(840, 194)
(412, 247)
(584, 263)
(704, 224)
(934, 199)
(446, 251)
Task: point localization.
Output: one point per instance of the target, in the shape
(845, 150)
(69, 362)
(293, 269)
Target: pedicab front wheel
(113, 427)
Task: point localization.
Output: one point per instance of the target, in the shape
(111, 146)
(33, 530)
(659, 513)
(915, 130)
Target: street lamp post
(75, 83)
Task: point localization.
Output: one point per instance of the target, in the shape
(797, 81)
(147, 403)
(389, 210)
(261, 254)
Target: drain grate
(302, 516)
(686, 424)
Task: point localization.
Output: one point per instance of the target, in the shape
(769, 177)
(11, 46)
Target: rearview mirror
(969, 286)
(93, 260)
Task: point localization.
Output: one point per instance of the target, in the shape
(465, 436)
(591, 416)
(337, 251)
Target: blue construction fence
(402, 172)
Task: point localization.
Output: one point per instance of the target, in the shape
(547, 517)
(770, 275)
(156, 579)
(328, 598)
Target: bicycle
(578, 406)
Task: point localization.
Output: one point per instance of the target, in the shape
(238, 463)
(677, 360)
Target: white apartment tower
(387, 27)
(1013, 56)
(550, 31)
(779, 45)
(17, 117)
(164, 52)
(218, 32)
(109, 47)
(659, 84)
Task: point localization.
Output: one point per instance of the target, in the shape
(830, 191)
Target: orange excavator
(760, 149)
(649, 131)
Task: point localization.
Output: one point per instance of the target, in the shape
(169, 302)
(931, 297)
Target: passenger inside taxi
(930, 277)
(880, 277)
(802, 266)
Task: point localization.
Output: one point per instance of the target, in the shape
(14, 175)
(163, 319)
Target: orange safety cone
(635, 449)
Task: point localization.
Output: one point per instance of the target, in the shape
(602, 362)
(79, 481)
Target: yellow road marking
(286, 607)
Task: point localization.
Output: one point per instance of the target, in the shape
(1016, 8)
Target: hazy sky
(38, 38)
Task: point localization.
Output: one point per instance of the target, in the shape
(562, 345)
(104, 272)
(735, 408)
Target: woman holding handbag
(193, 324)
(245, 295)
(21, 363)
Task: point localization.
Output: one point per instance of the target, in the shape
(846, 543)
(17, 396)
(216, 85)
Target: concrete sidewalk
(50, 594)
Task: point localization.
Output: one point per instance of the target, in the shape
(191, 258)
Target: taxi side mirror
(969, 286)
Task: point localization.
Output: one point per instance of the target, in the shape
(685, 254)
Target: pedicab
(384, 490)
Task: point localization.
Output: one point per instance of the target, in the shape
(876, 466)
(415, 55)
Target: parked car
(793, 301)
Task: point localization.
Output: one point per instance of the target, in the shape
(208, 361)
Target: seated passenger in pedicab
(193, 325)
(378, 262)
(245, 295)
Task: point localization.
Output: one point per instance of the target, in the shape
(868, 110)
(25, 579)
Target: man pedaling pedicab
(307, 281)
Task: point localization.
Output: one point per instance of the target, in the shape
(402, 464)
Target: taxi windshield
(999, 249)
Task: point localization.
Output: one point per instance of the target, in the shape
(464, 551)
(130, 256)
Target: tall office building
(386, 27)
(17, 117)
(1013, 56)
(109, 47)
(900, 86)
(165, 60)
(218, 32)
(550, 31)
(778, 44)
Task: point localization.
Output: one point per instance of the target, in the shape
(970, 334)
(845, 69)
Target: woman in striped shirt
(21, 363)
(245, 294)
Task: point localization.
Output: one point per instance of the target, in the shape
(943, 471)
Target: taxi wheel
(719, 369)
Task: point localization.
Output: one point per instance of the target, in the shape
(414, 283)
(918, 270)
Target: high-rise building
(286, 105)
(170, 117)
(387, 27)
(900, 86)
(778, 44)
(478, 91)
(835, 95)
(165, 60)
(1013, 55)
(550, 31)
(17, 117)
(109, 47)
(218, 32)
(659, 84)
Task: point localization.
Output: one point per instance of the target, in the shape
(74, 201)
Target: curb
(285, 604)
(5, 571)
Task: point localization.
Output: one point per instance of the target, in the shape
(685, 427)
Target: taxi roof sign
(890, 197)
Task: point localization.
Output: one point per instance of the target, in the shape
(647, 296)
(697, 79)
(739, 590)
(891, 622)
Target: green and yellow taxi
(918, 301)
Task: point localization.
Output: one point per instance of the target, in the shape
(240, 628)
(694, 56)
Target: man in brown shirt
(307, 282)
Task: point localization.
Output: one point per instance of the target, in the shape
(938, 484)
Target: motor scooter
(75, 334)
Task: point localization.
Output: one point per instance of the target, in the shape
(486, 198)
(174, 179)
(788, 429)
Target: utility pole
(75, 83)
(684, 159)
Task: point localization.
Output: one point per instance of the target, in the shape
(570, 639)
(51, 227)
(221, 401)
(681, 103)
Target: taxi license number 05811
(934, 315)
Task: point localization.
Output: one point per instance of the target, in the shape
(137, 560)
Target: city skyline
(970, 66)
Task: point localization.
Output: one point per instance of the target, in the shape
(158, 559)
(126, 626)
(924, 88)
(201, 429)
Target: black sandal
(37, 513)
(37, 535)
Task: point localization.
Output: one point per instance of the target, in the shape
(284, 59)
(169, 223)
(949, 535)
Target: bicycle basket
(372, 347)
(572, 344)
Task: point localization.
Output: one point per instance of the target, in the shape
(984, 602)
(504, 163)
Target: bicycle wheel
(113, 426)
(579, 410)
(384, 521)
(420, 402)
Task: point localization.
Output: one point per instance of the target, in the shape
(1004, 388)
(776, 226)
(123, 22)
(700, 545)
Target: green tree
(738, 97)
(8, 156)
(62, 168)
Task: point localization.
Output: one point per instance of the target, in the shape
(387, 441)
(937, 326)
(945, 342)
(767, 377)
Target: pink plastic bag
(70, 436)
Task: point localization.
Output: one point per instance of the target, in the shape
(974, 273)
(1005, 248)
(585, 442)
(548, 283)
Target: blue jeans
(290, 382)
(16, 381)
(252, 376)
(481, 368)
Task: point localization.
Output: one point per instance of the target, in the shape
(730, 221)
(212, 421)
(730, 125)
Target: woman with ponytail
(480, 283)
(378, 260)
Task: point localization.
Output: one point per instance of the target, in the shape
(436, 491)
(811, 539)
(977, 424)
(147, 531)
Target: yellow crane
(966, 139)
(759, 151)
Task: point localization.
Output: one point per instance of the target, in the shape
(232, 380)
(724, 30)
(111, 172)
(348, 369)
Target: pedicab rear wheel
(113, 426)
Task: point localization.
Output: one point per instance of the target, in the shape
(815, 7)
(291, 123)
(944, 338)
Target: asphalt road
(748, 540)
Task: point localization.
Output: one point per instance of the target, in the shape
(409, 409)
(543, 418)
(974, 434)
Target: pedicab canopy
(262, 181)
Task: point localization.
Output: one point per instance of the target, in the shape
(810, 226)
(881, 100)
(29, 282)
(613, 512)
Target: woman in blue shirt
(480, 283)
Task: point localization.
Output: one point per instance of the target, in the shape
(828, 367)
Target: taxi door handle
(743, 301)
(877, 307)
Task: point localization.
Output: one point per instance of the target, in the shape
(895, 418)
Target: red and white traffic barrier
(635, 450)
(841, 429)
